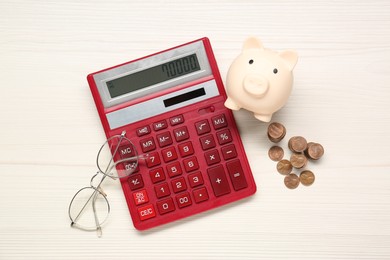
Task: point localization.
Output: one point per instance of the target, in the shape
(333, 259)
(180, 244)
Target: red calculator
(171, 105)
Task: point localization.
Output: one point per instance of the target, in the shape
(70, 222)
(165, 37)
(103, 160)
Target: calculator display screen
(153, 75)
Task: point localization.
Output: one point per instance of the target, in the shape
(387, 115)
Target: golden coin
(284, 167)
(298, 160)
(291, 181)
(307, 178)
(276, 153)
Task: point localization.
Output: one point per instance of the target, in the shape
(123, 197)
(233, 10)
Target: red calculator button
(219, 121)
(135, 181)
(162, 190)
(164, 139)
(218, 180)
(140, 197)
(183, 200)
(176, 120)
(153, 159)
(229, 152)
(236, 175)
(191, 164)
(212, 157)
(181, 134)
(146, 212)
(200, 195)
(202, 127)
(125, 168)
(224, 136)
(157, 175)
(143, 130)
(157, 126)
(186, 149)
(174, 169)
(147, 144)
(169, 154)
(207, 142)
(126, 151)
(179, 185)
(165, 206)
(195, 179)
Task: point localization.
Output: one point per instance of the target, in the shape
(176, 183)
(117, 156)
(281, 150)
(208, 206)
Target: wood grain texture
(50, 130)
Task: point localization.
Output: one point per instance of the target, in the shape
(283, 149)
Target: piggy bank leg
(264, 118)
(229, 103)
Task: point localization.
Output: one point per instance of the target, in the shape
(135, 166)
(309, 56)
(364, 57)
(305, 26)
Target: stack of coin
(301, 150)
(314, 151)
(276, 132)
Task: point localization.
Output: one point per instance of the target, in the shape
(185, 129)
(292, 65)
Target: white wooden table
(50, 130)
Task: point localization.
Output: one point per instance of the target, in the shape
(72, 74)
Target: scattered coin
(291, 181)
(297, 144)
(276, 132)
(298, 160)
(307, 177)
(314, 151)
(276, 153)
(284, 167)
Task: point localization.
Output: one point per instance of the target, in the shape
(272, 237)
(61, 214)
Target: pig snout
(256, 85)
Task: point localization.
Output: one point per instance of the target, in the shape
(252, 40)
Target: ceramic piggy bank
(260, 80)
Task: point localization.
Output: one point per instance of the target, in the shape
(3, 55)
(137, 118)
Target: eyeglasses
(117, 158)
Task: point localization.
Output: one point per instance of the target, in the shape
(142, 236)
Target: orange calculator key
(146, 212)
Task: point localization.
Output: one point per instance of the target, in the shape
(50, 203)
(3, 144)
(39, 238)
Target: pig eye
(250, 61)
(275, 71)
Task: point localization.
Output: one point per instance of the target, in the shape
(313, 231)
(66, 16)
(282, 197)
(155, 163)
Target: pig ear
(290, 58)
(252, 43)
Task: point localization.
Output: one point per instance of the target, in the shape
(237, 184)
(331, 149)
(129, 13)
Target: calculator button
(140, 197)
(143, 130)
(157, 175)
(191, 164)
(207, 142)
(157, 126)
(181, 134)
(179, 185)
(135, 182)
(176, 120)
(146, 212)
(183, 200)
(148, 144)
(195, 179)
(212, 157)
(236, 175)
(229, 152)
(127, 167)
(202, 127)
(162, 190)
(186, 149)
(219, 121)
(165, 206)
(164, 139)
(200, 195)
(174, 169)
(153, 159)
(224, 137)
(218, 180)
(126, 151)
(169, 154)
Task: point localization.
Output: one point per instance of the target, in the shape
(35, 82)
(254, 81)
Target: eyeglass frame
(98, 190)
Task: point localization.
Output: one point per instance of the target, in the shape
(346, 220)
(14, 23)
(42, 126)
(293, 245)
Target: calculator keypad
(188, 165)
